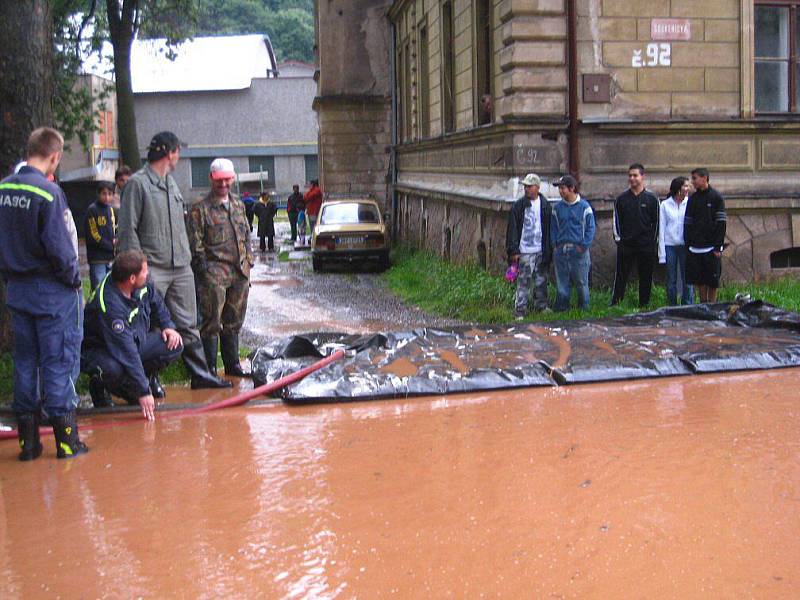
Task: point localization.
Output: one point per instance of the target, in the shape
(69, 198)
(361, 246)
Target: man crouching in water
(128, 336)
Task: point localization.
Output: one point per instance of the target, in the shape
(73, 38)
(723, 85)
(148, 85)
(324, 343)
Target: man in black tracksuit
(636, 215)
(704, 228)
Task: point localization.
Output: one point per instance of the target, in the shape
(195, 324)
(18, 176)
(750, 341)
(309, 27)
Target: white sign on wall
(654, 55)
(670, 29)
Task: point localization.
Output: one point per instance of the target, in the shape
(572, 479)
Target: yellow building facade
(484, 91)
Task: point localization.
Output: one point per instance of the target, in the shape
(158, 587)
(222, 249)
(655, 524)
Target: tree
(26, 92)
(26, 58)
(172, 19)
(291, 32)
(75, 33)
(289, 23)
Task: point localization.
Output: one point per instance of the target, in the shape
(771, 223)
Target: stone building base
(762, 241)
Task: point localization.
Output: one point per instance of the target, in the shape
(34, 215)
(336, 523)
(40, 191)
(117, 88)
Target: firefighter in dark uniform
(219, 237)
(39, 262)
(128, 336)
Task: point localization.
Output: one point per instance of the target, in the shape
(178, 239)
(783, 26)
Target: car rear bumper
(351, 254)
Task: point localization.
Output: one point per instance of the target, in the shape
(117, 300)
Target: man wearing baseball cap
(219, 237)
(528, 245)
(152, 220)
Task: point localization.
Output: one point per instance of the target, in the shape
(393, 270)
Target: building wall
(78, 161)
(694, 109)
(353, 100)
(273, 117)
(703, 79)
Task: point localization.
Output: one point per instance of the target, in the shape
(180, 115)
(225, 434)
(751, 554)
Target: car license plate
(351, 241)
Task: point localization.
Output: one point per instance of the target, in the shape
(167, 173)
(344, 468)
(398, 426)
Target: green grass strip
(469, 293)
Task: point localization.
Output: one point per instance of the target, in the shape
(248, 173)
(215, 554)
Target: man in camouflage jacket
(219, 238)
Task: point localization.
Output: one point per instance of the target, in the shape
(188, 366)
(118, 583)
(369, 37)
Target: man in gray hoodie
(152, 220)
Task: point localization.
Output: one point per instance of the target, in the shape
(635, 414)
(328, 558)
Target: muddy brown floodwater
(681, 488)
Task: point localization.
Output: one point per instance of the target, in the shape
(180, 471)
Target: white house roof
(201, 64)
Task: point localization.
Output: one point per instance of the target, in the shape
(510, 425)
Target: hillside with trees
(289, 23)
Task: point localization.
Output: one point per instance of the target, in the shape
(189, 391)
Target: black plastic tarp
(669, 341)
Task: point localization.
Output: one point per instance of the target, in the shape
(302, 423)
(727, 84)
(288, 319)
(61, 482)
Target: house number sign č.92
(654, 55)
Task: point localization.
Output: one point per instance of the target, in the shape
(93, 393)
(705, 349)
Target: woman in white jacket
(671, 247)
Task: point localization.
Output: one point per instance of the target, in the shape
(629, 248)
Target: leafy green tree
(289, 23)
(292, 34)
(74, 34)
(172, 19)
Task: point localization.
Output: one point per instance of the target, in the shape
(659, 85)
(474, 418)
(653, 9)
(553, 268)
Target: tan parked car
(348, 231)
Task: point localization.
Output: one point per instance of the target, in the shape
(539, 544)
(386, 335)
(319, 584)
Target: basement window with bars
(777, 40)
(788, 258)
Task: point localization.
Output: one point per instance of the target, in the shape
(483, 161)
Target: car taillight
(327, 242)
(375, 240)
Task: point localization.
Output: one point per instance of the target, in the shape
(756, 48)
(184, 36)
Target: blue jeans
(676, 268)
(47, 319)
(97, 272)
(572, 268)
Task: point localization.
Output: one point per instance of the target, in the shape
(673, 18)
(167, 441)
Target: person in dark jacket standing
(266, 210)
(39, 262)
(294, 204)
(128, 336)
(636, 213)
(152, 220)
(100, 230)
(528, 244)
(704, 234)
(249, 208)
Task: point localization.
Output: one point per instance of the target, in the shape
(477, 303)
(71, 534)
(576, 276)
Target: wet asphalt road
(288, 297)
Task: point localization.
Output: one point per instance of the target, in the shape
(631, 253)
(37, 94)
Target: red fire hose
(236, 400)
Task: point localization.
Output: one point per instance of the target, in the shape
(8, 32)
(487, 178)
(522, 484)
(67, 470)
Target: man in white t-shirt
(528, 245)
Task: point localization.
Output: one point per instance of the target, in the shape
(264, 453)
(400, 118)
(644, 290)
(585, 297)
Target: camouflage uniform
(219, 238)
(532, 273)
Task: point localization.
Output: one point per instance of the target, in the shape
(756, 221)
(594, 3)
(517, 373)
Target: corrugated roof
(201, 64)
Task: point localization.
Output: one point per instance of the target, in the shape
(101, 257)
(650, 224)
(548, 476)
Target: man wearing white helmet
(219, 236)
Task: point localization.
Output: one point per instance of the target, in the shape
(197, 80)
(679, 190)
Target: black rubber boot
(196, 365)
(230, 355)
(28, 433)
(210, 345)
(156, 388)
(68, 444)
(101, 398)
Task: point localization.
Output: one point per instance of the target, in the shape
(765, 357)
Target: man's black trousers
(645, 261)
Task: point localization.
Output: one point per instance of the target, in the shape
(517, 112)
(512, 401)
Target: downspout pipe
(393, 155)
(572, 66)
